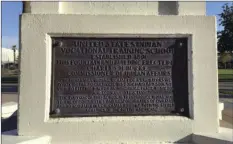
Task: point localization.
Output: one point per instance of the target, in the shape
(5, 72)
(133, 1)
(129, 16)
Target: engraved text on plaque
(119, 76)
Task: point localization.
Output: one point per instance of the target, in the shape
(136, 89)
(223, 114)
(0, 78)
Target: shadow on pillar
(168, 8)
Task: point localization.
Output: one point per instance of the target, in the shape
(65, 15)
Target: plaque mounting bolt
(60, 44)
(180, 44)
(57, 111)
(182, 110)
(57, 43)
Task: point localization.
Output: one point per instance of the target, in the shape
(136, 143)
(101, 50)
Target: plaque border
(55, 113)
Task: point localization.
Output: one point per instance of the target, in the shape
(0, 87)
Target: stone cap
(117, 8)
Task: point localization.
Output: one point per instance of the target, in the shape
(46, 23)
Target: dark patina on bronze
(99, 76)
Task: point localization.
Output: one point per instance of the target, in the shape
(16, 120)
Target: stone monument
(118, 72)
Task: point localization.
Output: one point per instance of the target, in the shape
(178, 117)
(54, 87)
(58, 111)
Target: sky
(11, 11)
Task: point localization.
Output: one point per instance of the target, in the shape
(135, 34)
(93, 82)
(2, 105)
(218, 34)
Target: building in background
(7, 55)
(9, 62)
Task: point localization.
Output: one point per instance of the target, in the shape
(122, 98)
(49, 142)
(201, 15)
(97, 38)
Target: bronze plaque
(101, 76)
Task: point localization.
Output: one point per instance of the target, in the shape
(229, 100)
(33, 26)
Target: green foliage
(225, 37)
(225, 57)
(14, 49)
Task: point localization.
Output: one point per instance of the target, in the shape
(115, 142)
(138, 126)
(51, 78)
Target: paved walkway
(226, 124)
(9, 88)
(9, 97)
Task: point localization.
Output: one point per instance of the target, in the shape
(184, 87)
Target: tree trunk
(14, 56)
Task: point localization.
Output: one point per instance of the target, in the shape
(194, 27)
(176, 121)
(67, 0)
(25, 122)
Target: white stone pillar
(40, 7)
(110, 8)
(192, 8)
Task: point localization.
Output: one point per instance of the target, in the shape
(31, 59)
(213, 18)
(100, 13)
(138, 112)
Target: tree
(17, 59)
(224, 58)
(225, 36)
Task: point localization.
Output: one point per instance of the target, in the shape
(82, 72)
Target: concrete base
(10, 137)
(220, 108)
(224, 137)
(9, 116)
(9, 109)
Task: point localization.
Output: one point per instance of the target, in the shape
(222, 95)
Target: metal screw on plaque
(57, 111)
(180, 44)
(182, 110)
(60, 43)
(57, 43)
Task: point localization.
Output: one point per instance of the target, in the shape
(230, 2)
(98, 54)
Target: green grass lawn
(225, 74)
(226, 92)
(225, 71)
